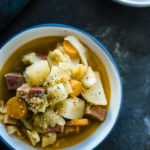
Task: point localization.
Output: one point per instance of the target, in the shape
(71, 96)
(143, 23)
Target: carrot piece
(69, 49)
(76, 87)
(79, 122)
(16, 108)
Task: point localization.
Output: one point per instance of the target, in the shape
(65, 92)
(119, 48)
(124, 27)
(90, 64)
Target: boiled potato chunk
(37, 73)
(57, 93)
(95, 94)
(72, 108)
(79, 47)
(89, 79)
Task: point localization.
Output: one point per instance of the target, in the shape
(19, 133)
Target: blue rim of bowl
(97, 42)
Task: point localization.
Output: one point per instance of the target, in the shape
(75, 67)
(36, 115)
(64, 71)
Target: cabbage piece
(11, 129)
(51, 62)
(79, 47)
(48, 119)
(27, 124)
(37, 104)
(56, 56)
(68, 87)
(59, 55)
(48, 139)
(95, 94)
(30, 58)
(33, 137)
(58, 74)
(73, 62)
(79, 71)
(57, 93)
(72, 108)
(37, 73)
(2, 108)
(89, 79)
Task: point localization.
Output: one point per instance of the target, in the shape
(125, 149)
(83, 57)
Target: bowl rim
(134, 3)
(98, 43)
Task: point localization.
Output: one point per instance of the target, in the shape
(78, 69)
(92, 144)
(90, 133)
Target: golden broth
(42, 45)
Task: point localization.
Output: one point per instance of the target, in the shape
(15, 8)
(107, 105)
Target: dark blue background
(125, 31)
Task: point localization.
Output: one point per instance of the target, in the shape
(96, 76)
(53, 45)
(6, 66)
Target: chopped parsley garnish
(35, 94)
(46, 95)
(40, 95)
(29, 102)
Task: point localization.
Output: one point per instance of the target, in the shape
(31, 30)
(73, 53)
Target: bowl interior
(116, 89)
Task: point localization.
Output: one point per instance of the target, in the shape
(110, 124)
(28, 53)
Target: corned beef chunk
(68, 131)
(42, 57)
(26, 91)
(14, 80)
(36, 92)
(57, 129)
(96, 112)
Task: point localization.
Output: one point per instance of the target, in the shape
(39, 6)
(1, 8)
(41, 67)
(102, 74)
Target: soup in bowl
(59, 89)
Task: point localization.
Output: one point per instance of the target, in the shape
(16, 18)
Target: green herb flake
(35, 94)
(40, 95)
(46, 95)
(28, 102)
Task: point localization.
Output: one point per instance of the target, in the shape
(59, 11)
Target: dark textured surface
(125, 31)
(9, 9)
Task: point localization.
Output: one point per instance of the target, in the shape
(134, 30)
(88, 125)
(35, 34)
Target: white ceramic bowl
(116, 87)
